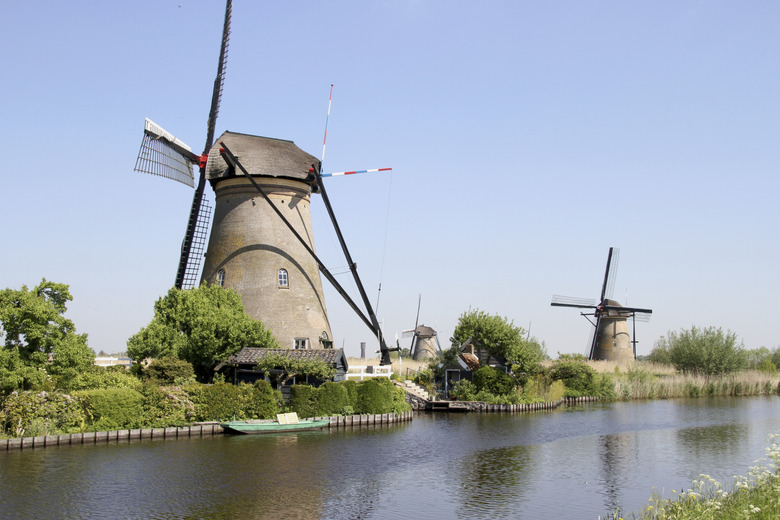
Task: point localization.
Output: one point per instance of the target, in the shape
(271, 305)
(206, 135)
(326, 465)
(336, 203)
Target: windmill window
(301, 343)
(221, 278)
(284, 281)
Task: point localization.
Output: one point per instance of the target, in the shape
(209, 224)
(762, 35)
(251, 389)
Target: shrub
(494, 381)
(166, 406)
(579, 378)
(464, 390)
(170, 371)
(707, 351)
(265, 402)
(99, 377)
(35, 413)
(332, 399)
(113, 408)
(220, 401)
(303, 400)
(374, 396)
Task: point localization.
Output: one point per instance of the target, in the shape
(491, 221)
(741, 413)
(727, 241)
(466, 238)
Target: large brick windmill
(610, 340)
(261, 242)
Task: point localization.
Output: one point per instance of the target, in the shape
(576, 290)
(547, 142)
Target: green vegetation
(502, 339)
(708, 351)
(203, 326)
(291, 367)
(754, 496)
(40, 346)
(372, 396)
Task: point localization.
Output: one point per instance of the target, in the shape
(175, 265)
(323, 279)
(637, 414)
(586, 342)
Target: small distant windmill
(425, 340)
(610, 340)
(261, 241)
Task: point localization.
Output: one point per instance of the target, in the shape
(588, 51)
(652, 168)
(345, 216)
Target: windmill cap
(260, 156)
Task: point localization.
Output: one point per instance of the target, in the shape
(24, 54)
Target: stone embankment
(196, 430)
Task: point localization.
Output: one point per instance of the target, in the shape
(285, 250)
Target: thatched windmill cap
(261, 156)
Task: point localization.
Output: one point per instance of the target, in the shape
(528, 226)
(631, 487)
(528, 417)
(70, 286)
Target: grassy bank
(754, 496)
(644, 380)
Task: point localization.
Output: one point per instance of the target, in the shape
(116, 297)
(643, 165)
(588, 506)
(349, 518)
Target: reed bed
(637, 383)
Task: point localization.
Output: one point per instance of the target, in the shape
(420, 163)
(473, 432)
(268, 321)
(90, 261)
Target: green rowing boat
(283, 425)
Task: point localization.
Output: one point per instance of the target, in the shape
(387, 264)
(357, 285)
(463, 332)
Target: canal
(575, 462)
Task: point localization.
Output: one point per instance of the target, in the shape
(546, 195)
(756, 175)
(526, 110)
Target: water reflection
(494, 480)
(576, 462)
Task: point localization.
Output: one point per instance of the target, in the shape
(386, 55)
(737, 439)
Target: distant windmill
(261, 242)
(610, 340)
(425, 341)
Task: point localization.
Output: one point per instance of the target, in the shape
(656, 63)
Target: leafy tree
(707, 351)
(292, 367)
(36, 334)
(203, 326)
(501, 338)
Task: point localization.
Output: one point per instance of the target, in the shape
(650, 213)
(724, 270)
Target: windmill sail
(189, 260)
(163, 154)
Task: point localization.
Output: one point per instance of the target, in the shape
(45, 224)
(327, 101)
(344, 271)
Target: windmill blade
(570, 301)
(164, 155)
(594, 338)
(219, 81)
(416, 322)
(608, 287)
(642, 317)
(187, 261)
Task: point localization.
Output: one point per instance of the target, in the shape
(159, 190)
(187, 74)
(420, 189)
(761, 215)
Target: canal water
(575, 462)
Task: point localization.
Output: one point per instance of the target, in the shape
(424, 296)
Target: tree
(501, 338)
(708, 351)
(203, 326)
(36, 336)
(292, 367)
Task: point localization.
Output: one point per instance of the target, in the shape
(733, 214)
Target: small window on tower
(221, 278)
(301, 343)
(283, 280)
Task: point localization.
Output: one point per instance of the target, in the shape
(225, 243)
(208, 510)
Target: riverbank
(196, 430)
(753, 496)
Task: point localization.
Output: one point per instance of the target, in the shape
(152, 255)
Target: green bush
(303, 400)
(374, 396)
(99, 377)
(265, 402)
(579, 378)
(170, 371)
(494, 381)
(113, 408)
(707, 351)
(40, 413)
(332, 399)
(464, 390)
(166, 406)
(220, 401)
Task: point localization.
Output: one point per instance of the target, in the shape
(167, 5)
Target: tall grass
(650, 381)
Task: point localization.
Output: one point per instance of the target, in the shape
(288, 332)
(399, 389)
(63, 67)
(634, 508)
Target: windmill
(610, 340)
(261, 241)
(425, 340)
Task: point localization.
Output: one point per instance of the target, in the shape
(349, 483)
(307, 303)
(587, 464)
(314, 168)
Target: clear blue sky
(525, 138)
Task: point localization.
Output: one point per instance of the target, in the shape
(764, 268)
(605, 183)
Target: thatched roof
(262, 156)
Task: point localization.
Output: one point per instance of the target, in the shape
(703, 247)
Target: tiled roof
(251, 355)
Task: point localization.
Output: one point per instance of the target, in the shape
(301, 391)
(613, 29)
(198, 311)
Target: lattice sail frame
(164, 155)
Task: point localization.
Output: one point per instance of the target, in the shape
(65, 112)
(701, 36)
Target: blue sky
(525, 138)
